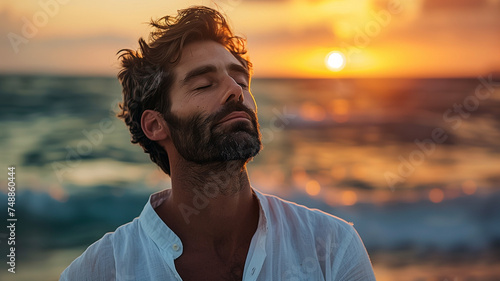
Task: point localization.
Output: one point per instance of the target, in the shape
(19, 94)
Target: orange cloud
(286, 39)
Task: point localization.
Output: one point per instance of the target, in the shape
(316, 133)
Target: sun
(335, 61)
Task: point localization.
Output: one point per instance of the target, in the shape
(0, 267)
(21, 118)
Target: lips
(235, 115)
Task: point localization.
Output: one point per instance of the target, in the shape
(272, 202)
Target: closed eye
(243, 85)
(204, 87)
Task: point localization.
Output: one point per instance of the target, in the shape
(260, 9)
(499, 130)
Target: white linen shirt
(291, 242)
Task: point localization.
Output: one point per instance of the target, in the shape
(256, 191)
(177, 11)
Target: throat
(214, 179)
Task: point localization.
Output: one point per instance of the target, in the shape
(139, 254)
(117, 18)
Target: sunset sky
(286, 38)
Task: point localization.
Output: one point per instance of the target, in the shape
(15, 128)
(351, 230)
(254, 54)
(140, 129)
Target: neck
(213, 180)
(211, 203)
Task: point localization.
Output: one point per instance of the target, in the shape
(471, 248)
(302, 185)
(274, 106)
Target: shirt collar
(156, 229)
(263, 210)
(167, 240)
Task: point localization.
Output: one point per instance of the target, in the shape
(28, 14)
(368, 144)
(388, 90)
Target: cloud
(312, 35)
(98, 39)
(264, 1)
(433, 5)
(79, 55)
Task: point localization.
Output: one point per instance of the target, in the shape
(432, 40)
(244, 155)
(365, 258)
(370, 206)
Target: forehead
(203, 53)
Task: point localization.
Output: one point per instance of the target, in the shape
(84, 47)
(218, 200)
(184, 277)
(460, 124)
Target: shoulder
(302, 225)
(98, 261)
(319, 236)
(280, 210)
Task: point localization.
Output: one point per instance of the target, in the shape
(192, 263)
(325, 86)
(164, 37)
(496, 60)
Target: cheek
(192, 106)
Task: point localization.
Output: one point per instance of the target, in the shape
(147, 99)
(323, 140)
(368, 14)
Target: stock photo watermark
(11, 219)
(453, 117)
(217, 183)
(364, 35)
(84, 147)
(30, 27)
(277, 123)
(325, 251)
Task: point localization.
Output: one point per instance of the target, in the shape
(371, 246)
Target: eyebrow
(202, 70)
(240, 69)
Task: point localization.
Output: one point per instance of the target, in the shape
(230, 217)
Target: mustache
(211, 120)
(230, 107)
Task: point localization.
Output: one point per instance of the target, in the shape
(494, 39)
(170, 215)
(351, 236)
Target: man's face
(213, 114)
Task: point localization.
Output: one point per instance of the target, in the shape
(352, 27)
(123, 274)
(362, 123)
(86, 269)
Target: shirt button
(253, 270)
(175, 247)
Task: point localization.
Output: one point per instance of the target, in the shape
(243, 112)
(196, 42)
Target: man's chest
(204, 267)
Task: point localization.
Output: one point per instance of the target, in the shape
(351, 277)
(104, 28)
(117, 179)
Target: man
(187, 102)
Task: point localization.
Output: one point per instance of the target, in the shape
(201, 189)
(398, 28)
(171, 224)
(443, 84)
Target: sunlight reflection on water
(328, 144)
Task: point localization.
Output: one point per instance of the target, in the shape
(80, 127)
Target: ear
(154, 126)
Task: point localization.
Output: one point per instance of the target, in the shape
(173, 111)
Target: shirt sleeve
(354, 264)
(96, 263)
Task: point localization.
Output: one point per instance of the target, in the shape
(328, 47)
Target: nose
(232, 91)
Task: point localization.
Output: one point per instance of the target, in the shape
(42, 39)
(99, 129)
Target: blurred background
(384, 113)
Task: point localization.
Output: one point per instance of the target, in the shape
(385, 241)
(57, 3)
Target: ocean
(413, 163)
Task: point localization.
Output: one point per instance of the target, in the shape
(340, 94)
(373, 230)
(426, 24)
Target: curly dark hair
(148, 73)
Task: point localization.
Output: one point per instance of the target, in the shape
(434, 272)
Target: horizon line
(98, 75)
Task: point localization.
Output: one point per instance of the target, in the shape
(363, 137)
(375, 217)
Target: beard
(201, 140)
